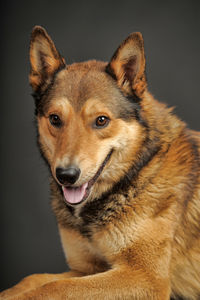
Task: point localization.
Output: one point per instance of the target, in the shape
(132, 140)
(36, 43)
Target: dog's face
(89, 119)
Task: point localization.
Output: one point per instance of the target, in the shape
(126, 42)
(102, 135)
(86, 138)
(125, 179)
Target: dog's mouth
(76, 195)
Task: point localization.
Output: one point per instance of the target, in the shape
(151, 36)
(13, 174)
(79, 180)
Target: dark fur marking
(96, 211)
(151, 149)
(135, 101)
(132, 112)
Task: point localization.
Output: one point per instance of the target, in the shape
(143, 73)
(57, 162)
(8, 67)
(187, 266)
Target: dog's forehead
(83, 81)
(88, 80)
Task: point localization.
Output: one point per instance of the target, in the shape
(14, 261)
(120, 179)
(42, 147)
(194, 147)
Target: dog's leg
(119, 283)
(34, 281)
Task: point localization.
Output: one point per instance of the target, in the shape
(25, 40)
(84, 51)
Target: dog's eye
(101, 122)
(55, 120)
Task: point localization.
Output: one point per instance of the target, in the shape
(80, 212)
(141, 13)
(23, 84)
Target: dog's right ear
(44, 58)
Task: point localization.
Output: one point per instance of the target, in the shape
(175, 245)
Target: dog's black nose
(68, 175)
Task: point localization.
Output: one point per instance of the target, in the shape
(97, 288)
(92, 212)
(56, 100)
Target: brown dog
(125, 180)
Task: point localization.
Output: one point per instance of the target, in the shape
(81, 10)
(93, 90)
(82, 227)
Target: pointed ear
(44, 58)
(127, 65)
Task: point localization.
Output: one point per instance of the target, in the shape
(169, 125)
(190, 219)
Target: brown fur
(137, 235)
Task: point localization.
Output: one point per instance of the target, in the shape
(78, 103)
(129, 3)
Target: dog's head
(89, 115)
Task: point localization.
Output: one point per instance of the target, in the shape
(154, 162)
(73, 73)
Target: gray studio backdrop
(81, 30)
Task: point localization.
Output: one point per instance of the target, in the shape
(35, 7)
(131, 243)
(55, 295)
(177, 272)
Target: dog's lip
(87, 185)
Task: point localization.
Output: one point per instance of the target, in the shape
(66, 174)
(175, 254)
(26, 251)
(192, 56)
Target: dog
(125, 180)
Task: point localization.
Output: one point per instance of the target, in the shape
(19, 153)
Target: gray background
(81, 30)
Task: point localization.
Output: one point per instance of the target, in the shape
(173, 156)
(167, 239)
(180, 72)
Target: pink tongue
(74, 195)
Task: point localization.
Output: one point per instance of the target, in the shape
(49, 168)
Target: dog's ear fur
(45, 60)
(127, 65)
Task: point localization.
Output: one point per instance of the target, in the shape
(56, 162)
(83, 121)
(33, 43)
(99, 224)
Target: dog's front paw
(29, 286)
(45, 292)
(29, 295)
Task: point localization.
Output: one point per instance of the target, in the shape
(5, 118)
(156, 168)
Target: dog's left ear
(127, 65)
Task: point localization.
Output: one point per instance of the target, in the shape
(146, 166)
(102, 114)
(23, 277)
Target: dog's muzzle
(67, 177)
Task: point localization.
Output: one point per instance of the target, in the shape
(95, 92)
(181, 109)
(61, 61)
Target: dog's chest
(82, 254)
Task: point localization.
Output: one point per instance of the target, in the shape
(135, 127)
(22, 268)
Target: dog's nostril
(68, 175)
